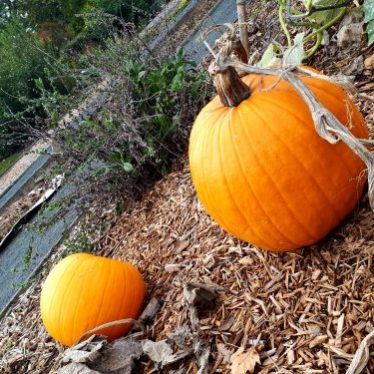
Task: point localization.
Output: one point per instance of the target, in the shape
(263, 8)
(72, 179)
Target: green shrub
(145, 124)
(22, 60)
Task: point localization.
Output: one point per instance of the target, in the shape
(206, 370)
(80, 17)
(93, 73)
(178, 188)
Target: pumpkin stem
(230, 88)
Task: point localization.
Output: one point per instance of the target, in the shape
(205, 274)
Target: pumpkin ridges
(130, 294)
(134, 295)
(312, 237)
(127, 271)
(77, 308)
(341, 197)
(360, 126)
(216, 216)
(62, 329)
(54, 300)
(106, 300)
(344, 158)
(248, 183)
(301, 230)
(307, 231)
(210, 132)
(294, 114)
(101, 271)
(306, 170)
(224, 177)
(81, 291)
(51, 304)
(222, 167)
(73, 317)
(124, 290)
(342, 211)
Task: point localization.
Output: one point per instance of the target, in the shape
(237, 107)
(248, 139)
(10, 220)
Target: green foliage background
(37, 38)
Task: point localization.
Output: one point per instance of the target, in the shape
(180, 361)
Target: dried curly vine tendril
(326, 124)
(119, 322)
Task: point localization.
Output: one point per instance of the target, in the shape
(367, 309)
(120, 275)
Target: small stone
(325, 38)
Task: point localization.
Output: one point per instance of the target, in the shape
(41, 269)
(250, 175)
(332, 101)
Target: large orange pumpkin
(265, 175)
(84, 291)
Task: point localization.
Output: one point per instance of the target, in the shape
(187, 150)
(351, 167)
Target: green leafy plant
(81, 244)
(145, 124)
(8, 162)
(21, 60)
(368, 8)
(317, 16)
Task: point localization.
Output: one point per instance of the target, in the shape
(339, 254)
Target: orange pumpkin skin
(264, 174)
(84, 291)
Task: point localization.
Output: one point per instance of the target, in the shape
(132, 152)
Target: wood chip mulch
(305, 311)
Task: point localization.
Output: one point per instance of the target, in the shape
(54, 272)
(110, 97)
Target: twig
(243, 29)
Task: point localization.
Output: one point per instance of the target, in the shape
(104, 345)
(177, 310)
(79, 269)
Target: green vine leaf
(295, 54)
(325, 15)
(269, 57)
(370, 31)
(368, 8)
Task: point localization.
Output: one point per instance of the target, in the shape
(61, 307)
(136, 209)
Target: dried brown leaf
(224, 352)
(119, 357)
(244, 361)
(198, 296)
(161, 352)
(158, 352)
(87, 351)
(76, 368)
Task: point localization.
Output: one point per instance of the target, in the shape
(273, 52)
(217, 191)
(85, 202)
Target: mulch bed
(303, 312)
(306, 310)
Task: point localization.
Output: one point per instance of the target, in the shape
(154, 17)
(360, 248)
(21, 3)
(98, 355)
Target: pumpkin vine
(317, 18)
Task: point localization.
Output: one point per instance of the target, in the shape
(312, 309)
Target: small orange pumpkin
(261, 170)
(84, 291)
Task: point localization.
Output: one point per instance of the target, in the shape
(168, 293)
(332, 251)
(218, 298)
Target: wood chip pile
(302, 311)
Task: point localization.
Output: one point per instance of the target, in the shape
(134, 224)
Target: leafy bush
(133, 11)
(40, 42)
(145, 123)
(22, 60)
